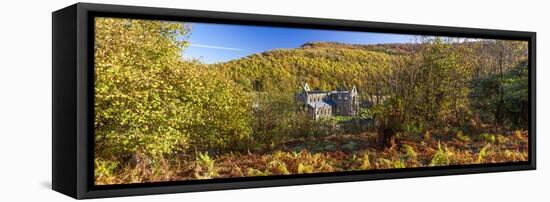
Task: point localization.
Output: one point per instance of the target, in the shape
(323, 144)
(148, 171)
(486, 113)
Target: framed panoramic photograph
(153, 100)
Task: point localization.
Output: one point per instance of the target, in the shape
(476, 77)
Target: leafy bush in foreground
(151, 102)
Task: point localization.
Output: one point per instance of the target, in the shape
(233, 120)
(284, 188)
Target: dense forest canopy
(150, 103)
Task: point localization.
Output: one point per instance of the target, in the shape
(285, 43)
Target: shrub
(105, 171)
(464, 138)
(150, 101)
(483, 153)
(305, 168)
(278, 167)
(365, 163)
(411, 154)
(305, 127)
(441, 157)
(488, 137)
(205, 166)
(256, 172)
(400, 163)
(326, 126)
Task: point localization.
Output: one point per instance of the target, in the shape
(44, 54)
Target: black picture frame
(72, 100)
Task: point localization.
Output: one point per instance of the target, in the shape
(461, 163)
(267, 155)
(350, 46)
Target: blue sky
(212, 43)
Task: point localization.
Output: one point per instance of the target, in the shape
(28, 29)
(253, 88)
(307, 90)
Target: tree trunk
(386, 136)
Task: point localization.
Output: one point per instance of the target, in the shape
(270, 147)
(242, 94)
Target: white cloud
(215, 47)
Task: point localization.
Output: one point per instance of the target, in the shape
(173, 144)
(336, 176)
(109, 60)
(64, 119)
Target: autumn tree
(514, 103)
(426, 89)
(150, 102)
(497, 57)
